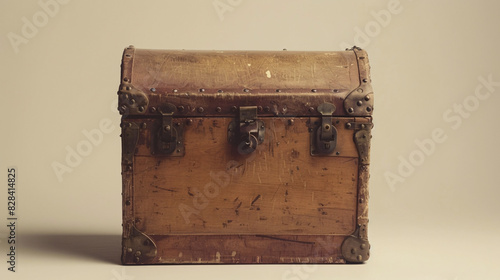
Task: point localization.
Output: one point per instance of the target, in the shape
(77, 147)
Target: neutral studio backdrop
(436, 78)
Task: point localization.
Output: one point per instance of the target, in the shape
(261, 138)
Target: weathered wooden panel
(249, 249)
(280, 188)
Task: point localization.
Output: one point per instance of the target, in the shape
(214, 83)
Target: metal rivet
(178, 150)
(202, 90)
(127, 203)
(367, 98)
(278, 90)
(360, 90)
(179, 142)
(189, 121)
(314, 90)
(335, 90)
(267, 109)
(337, 153)
(260, 108)
(180, 108)
(140, 109)
(361, 57)
(368, 109)
(152, 90)
(122, 109)
(350, 110)
(152, 109)
(128, 168)
(363, 126)
(143, 125)
(246, 90)
(174, 90)
(125, 79)
(359, 258)
(362, 246)
(261, 127)
(218, 109)
(311, 109)
(365, 80)
(128, 55)
(353, 251)
(220, 91)
(129, 250)
(361, 200)
(234, 108)
(128, 88)
(131, 101)
(178, 124)
(167, 128)
(290, 122)
(359, 103)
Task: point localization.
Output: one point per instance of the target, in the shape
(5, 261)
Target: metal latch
(324, 138)
(168, 139)
(246, 132)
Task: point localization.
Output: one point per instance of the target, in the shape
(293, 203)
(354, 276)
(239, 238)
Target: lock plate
(324, 136)
(168, 135)
(246, 132)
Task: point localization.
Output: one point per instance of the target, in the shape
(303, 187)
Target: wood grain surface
(279, 189)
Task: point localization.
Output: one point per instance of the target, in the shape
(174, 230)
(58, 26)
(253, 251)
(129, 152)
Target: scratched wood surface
(248, 249)
(278, 189)
(253, 70)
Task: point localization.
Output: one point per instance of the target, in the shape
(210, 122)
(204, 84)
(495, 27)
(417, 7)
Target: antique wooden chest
(245, 156)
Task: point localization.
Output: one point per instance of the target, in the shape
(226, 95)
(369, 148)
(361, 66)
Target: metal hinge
(246, 132)
(324, 137)
(168, 137)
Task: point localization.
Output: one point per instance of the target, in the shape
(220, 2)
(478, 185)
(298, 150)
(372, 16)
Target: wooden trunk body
(245, 157)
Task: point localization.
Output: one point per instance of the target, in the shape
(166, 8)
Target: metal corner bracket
(138, 248)
(356, 248)
(131, 101)
(359, 102)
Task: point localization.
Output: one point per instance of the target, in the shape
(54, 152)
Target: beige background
(439, 222)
